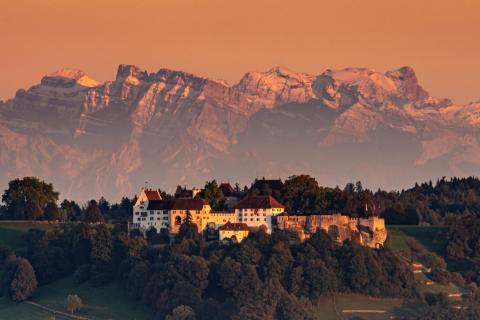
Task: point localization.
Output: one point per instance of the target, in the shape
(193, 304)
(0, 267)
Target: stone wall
(370, 232)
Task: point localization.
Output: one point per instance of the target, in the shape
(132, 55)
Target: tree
(101, 256)
(138, 279)
(93, 213)
(18, 278)
(302, 194)
(104, 205)
(212, 193)
(70, 210)
(5, 252)
(73, 303)
(188, 229)
(181, 313)
(26, 198)
(51, 212)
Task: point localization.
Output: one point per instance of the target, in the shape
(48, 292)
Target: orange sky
(226, 38)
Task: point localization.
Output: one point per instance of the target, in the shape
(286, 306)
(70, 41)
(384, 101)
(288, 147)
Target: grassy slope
(106, 302)
(432, 238)
(21, 311)
(102, 303)
(330, 308)
(11, 231)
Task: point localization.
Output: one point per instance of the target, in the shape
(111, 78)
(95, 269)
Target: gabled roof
(258, 202)
(158, 205)
(234, 227)
(177, 204)
(273, 184)
(152, 195)
(226, 189)
(188, 204)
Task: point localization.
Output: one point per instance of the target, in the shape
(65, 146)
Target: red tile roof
(273, 184)
(258, 202)
(188, 204)
(234, 227)
(226, 189)
(177, 204)
(152, 195)
(158, 205)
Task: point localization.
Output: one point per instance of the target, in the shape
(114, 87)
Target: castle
(151, 211)
(251, 212)
(370, 232)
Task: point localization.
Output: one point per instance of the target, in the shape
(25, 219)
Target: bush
(181, 313)
(18, 278)
(73, 303)
(440, 276)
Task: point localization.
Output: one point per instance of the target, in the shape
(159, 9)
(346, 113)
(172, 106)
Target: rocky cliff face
(171, 127)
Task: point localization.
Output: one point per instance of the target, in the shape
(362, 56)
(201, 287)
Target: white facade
(147, 214)
(257, 217)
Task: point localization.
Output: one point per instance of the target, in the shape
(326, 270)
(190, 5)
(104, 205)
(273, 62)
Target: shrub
(73, 303)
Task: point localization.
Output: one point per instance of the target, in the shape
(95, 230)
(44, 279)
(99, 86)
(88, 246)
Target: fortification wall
(370, 232)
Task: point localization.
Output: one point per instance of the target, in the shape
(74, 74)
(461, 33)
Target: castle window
(178, 220)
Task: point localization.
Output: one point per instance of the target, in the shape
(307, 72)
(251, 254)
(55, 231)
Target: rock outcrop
(171, 127)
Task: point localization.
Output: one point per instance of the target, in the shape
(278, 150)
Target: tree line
(426, 203)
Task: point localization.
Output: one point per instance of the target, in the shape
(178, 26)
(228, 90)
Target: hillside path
(56, 312)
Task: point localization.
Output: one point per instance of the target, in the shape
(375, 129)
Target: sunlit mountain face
(172, 127)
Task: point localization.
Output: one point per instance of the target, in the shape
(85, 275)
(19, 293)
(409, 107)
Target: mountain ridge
(171, 127)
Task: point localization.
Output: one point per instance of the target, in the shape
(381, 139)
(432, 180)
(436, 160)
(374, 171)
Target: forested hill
(426, 203)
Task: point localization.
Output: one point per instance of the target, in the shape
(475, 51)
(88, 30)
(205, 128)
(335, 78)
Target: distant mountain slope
(171, 127)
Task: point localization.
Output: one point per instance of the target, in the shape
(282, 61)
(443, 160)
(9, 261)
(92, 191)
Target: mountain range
(172, 127)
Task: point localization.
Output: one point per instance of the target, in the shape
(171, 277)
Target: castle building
(370, 232)
(252, 212)
(233, 231)
(151, 211)
(258, 211)
(146, 213)
(178, 208)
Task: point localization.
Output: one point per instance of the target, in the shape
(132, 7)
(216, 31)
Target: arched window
(178, 220)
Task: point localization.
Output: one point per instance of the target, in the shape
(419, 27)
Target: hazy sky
(225, 38)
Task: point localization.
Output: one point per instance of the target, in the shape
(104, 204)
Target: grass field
(333, 307)
(433, 238)
(11, 231)
(106, 302)
(21, 311)
(102, 303)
